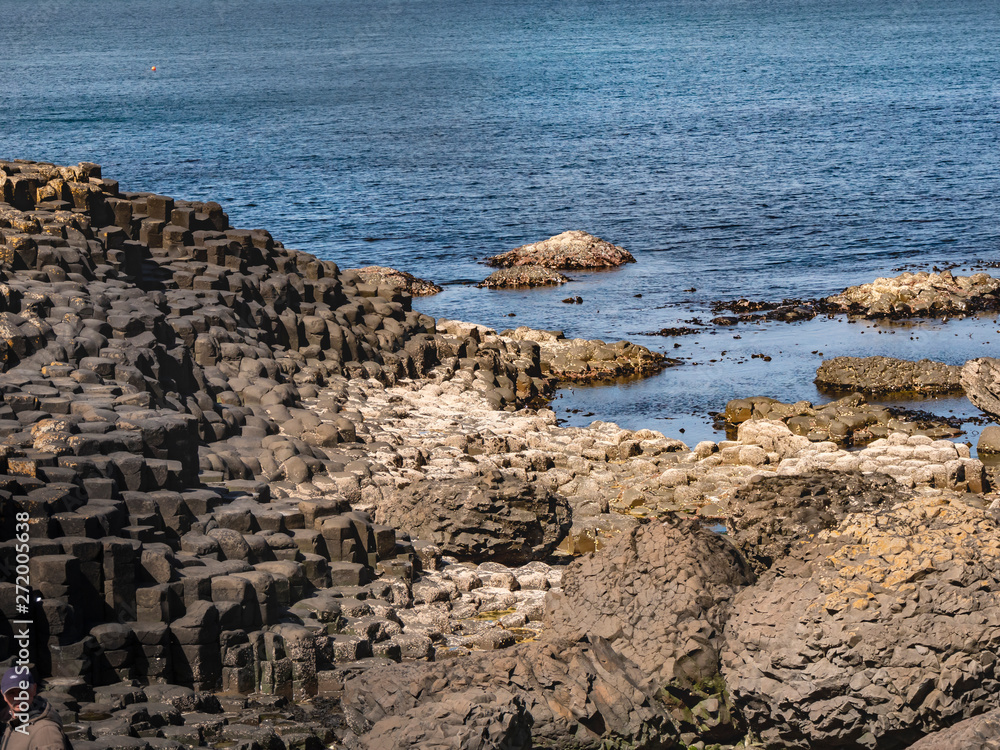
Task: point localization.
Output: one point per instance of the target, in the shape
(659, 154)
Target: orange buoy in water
(153, 68)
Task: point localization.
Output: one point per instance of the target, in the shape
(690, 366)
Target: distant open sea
(736, 147)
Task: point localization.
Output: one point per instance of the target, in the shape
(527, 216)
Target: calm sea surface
(737, 148)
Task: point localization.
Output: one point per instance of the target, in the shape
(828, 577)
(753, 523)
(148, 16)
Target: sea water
(738, 148)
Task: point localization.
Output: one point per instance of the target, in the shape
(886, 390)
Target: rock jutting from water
(522, 277)
(394, 279)
(847, 421)
(572, 250)
(271, 506)
(919, 295)
(884, 375)
(909, 295)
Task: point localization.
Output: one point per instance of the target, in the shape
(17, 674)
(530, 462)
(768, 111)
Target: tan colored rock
(570, 250)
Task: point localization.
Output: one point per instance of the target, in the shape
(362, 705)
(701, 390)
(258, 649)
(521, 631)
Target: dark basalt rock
(772, 515)
(498, 517)
(583, 696)
(880, 375)
(874, 632)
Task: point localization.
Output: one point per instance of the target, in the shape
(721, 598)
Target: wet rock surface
(395, 279)
(846, 421)
(522, 277)
(883, 375)
(567, 251)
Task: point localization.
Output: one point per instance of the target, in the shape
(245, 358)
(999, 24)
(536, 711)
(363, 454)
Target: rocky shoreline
(272, 506)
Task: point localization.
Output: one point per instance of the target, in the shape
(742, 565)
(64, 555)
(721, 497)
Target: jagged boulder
(873, 633)
(659, 594)
(584, 696)
(978, 733)
(498, 517)
(981, 381)
(772, 515)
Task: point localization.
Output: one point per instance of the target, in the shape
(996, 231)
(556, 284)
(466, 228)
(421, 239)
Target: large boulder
(498, 517)
(569, 250)
(888, 375)
(584, 696)
(773, 514)
(872, 633)
(978, 733)
(473, 719)
(659, 594)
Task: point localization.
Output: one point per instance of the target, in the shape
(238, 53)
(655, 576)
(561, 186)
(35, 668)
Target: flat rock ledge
(394, 279)
(567, 251)
(523, 277)
(881, 375)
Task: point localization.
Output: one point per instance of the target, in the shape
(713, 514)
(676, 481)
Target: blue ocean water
(737, 147)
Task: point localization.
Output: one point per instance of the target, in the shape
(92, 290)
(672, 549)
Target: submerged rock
(522, 277)
(888, 375)
(570, 250)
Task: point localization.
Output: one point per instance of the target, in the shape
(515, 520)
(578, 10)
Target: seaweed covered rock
(888, 375)
(873, 633)
(522, 277)
(570, 250)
